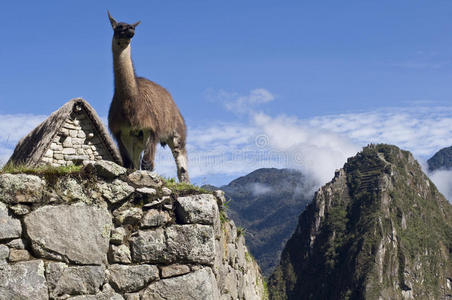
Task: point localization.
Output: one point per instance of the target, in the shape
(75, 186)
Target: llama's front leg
(180, 156)
(147, 163)
(133, 144)
(126, 160)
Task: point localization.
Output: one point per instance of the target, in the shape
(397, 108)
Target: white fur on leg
(182, 168)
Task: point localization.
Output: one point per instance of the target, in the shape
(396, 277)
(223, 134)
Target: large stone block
(20, 188)
(129, 279)
(155, 218)
(109, 169)
(64, 280)
(145, 178)
(178, 243)
(191, 243)
(107, 293)
(201, 209)
(198, 285)
(116, 191)
(24, 280)
(70, 233)
(150, 246)
(174, 270)
(10, 228)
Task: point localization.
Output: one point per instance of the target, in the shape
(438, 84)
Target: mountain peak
(441, 160)
(266, 203)
(380, 228)
(267, 176)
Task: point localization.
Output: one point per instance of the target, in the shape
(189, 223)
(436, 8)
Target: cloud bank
(422, 130)
(443, 181)
(316, 146)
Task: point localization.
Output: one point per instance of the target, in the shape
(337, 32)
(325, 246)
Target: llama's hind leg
(177, 146)
(147, 163)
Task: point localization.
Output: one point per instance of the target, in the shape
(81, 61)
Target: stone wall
(108, 234)
(77, 140)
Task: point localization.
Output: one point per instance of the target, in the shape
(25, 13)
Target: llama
(142, 113)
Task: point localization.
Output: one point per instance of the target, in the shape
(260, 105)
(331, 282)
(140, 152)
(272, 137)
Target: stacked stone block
(76, 141)
(118, 236)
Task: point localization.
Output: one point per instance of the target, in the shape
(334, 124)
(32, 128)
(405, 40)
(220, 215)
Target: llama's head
(123, 32)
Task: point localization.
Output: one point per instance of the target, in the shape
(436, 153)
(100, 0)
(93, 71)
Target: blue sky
(236, 68)
(317, 58)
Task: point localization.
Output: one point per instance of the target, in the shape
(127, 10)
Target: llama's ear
(113, 22)
(136, 24)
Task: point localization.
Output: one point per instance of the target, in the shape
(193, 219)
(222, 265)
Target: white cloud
(317, 152)
(259, 189)
(241, 104)
(234, 149)
(5, 153)
(443, 181)
(12, 129)
(422, 130)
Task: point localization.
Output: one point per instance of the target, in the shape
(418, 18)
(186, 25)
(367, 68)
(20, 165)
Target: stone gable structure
(72, 134)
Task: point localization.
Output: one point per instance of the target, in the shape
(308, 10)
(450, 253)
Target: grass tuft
(182, 188)
(40, 170)
(240, 231)
(51, 174)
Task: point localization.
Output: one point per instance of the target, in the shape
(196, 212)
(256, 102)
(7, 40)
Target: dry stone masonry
(77, 140)
(107, 233)
(72, 134)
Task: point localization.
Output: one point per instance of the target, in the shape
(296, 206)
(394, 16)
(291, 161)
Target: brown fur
(142, 112)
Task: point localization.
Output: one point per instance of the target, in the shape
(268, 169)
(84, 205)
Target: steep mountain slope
(379, 230)
(266, 203)
(441, 160)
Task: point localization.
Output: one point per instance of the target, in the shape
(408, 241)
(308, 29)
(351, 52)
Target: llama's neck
(125, 81)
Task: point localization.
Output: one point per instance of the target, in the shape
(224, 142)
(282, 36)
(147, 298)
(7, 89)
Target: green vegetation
(40, 170)
(182, 188)
(223, 217)
(223, 212)
(266, 294)
(248, 256)
(50, 173)
(240, 231)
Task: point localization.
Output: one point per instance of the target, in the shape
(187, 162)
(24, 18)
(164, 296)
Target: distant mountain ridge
(441, 159)
(266, 203)
(379, 230)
